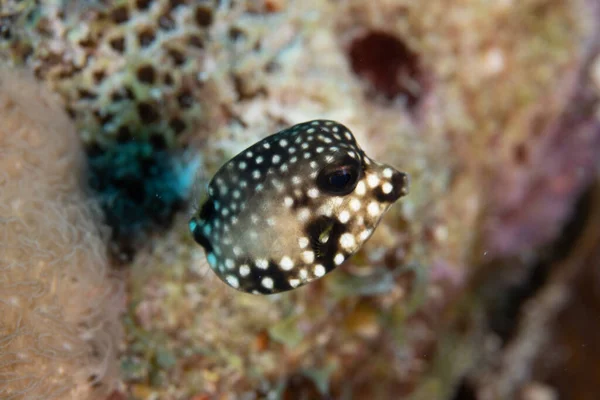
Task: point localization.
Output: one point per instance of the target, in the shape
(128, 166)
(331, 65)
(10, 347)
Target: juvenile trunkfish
(292, 207)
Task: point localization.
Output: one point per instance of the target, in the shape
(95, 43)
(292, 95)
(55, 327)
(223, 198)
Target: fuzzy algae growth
(59, 307)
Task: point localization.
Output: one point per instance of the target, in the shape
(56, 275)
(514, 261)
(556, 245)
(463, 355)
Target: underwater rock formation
(59, 307)
(490, 107)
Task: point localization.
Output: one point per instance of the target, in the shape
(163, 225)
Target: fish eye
(339, 179)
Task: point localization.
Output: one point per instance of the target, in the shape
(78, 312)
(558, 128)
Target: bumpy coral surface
(125, 69)
(59, 326)
(131, 77)
(489, 106)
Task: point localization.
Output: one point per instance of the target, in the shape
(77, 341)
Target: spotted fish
(292, 207)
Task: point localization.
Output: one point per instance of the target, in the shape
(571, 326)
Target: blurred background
(482, 283)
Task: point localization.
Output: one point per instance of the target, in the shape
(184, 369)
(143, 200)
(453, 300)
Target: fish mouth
(392, 188)
(400, 184)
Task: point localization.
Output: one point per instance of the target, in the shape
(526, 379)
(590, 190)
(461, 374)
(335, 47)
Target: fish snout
(394, 185)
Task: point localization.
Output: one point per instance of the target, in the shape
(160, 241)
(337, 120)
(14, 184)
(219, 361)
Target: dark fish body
(292, 207)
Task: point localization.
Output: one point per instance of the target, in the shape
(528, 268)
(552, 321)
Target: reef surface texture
(490, 107)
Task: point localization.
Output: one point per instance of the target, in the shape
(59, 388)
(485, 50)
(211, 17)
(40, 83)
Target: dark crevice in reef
(465, 391)
(505, 305)
(139, 188)
(300, 387)
(575, 328)
(390, 68)
(505, 301)
(504, 310)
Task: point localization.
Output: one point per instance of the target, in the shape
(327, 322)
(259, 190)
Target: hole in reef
(185, 99)
(158, 142)
(143, 4)
(120, 14)
(168, 79)
(177, 125)
(87, 94)
(175, 3)
(166, 22)
(146, 37)
(124, 134)
(389, 66)
(196, 41)
(177, 56)
(104, 118)
(236, 34)
(99, 76)
(300, 386)
(464, 391)
(147, 113)
(203, 16)
(146, 74)
(521, 154)
(118, 44)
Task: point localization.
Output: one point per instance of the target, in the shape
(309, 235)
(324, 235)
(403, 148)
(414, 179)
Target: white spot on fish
(233, 281)
(387, 188)
(347, 241)
(267, 282)
(373, 209)
(308, 257)
(286, 263)
(244, 270)
(319, 270)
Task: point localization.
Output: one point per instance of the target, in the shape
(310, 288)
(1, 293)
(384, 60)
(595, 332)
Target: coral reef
(59, 327)
(125, 69)
(469, 137)
(130, 74)
(491, 107)
(139, 188)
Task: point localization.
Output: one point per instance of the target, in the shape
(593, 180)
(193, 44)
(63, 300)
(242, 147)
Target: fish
(292, 207)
